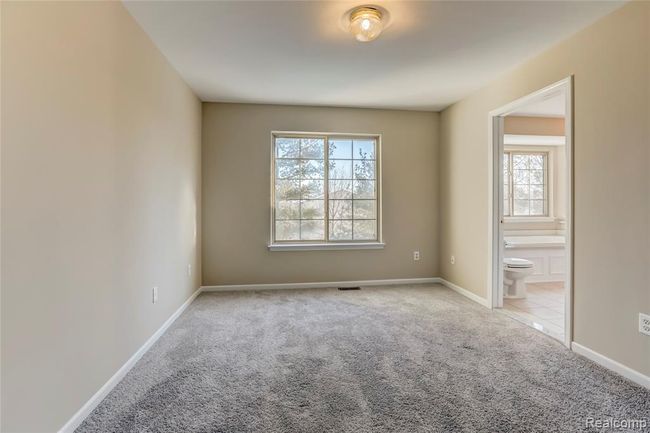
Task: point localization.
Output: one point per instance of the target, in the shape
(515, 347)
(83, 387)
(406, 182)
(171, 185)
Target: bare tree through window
(525, 182)
(307, 169)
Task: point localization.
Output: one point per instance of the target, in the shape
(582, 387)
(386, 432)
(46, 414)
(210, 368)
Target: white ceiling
(289, 52)
(552, 106)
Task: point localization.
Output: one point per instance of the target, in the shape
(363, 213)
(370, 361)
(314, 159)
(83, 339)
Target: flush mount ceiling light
(367, 22)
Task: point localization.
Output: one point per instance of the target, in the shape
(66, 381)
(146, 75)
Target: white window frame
(306, 245)
(547, 186)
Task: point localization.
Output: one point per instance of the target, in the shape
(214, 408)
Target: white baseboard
(91, 404)
(474, 297)
(324, 285)
(612, 365)
(321, 285)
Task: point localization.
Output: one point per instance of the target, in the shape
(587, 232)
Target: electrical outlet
(416, 255)
(453, 260)
(154, 295)
(644, 323)
(189, 270)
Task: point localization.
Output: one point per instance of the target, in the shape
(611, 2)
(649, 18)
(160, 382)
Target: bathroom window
(325, 189)
(525, 182)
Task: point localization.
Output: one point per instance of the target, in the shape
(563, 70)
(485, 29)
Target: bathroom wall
(610, 63)
(529, 125)
(100, 202)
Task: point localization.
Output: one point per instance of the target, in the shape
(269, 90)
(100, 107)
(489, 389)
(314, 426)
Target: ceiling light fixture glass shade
(366, 23)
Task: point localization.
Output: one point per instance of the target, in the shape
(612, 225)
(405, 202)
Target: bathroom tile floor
(542, 309)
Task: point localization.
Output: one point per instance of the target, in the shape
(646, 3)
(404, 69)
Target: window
(325, 189)
(525, 183)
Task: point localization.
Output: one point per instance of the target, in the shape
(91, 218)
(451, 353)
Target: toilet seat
(515, 272)
(515, 263)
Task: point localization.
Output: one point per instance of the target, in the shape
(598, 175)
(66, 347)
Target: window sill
(532, 219)
(331, 246)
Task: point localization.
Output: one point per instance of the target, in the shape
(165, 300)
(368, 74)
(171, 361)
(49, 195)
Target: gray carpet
(389, 359)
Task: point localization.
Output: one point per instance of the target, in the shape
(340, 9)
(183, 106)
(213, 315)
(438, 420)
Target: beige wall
(100, 193)
(610, 63)
(236, 185)
(526, 125)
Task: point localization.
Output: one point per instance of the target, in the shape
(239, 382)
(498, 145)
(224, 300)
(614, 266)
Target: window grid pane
(525, 180)
(357, 215)
(325, 189)
(299, 188)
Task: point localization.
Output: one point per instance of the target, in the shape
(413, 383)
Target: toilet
(515, 272)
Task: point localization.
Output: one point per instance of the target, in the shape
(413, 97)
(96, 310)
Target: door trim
(495, 201)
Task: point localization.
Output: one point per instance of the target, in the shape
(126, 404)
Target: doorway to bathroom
(530, 263)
